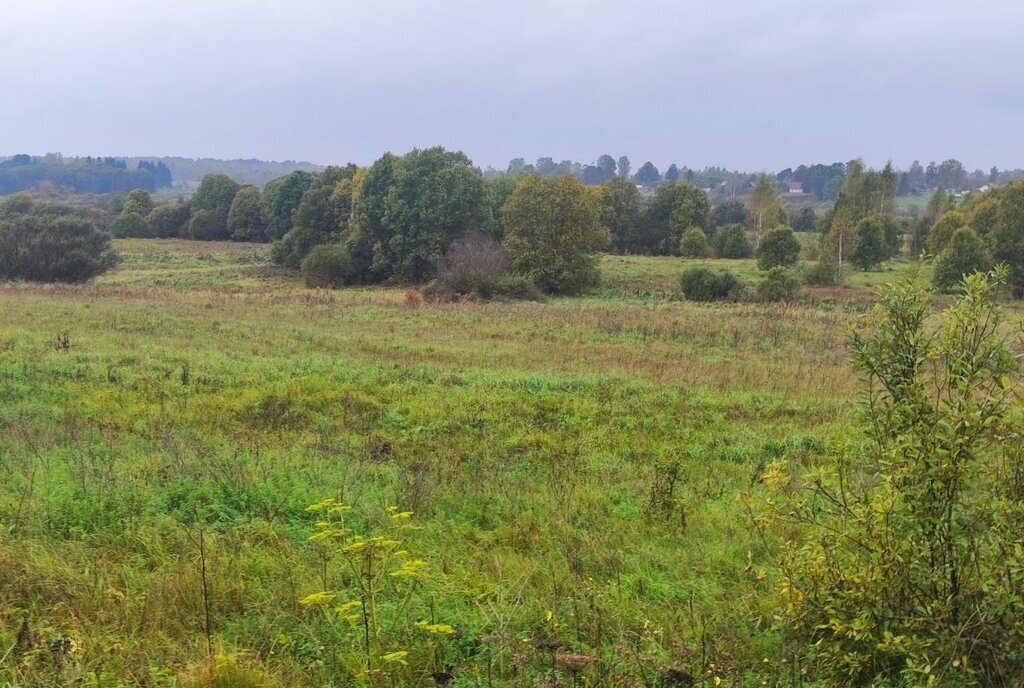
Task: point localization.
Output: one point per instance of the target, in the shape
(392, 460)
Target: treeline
(396, 220)
(80, 175)
(822, 182)
(243, 171)
(985, 230)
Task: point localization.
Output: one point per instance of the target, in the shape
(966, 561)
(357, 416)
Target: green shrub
(478, 266)
(52, 243)
(779, 247)
(907, 568)
(516, 286)
(704, 284)
(823, 273)
(209, 225)
(694, 243)
(873, 245)
(131, 225)
(170, 219)
(965, 253)
(778, 285)
(328, 266)
(731, 242)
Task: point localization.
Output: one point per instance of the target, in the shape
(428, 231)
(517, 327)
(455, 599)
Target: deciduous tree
(552, 231)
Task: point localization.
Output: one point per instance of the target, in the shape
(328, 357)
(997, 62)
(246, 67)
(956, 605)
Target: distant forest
(86, 175)
(813, 182)
(249, 171)
(821, 182)
(99, 175)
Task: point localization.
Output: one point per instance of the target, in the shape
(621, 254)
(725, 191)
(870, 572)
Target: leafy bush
(328, 266)
(478, 266)
(516, 286)
(731, 242)
(694, 243)
(209, 225)
(170, 219)
(778, 247)
(52, 243)
(873, 243)
(131, 225)
(139, 202)
(965, 253)
(778, 285)
(704, 284)
(909, 569)
(823, 273)
(729, 213)
(472, 266)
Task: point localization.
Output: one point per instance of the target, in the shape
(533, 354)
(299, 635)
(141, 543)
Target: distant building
(796, 187)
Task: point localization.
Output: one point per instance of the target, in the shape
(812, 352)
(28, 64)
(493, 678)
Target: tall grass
(573, 465)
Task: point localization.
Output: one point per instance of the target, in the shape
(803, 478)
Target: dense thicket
(48, 242)
(996, 218)
(865, 193)
(675, 208)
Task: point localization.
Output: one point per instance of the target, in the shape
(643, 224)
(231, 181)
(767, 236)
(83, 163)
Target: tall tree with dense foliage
(410, 209)
(731, 242)
(211, 204)
(647, 175)
(281, 196)
(805, 220)
(131, 225)
(729, 213)
(321, 218)
(138, 201)
(622, 214)
(497, 192)
(864, 192)
(246, 220)
(675, 208)
(170, 219)
(943, 229)
(552, 231)
(871, 247)
(1007, 236)
(964, 255)
(607, 165)
(624, 167)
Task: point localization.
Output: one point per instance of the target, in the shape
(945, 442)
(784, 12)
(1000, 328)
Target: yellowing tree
(763, 209)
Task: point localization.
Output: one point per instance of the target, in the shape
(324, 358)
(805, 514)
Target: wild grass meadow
(574, 469)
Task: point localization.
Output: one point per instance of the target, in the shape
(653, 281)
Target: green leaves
(901, 580)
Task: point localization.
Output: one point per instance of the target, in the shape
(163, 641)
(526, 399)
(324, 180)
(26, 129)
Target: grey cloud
(741, 83)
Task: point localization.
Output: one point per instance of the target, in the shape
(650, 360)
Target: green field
(573, 466)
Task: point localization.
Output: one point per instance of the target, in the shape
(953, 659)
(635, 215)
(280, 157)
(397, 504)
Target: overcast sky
(747, 84)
